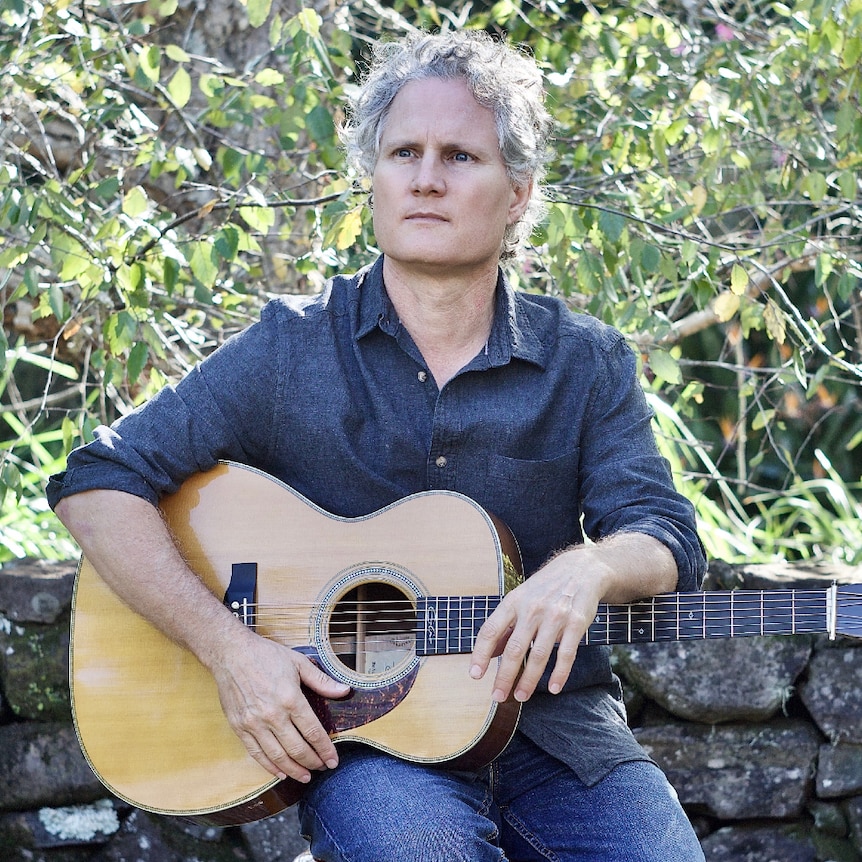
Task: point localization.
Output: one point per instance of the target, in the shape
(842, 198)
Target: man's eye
(403, 153)
(461, 157)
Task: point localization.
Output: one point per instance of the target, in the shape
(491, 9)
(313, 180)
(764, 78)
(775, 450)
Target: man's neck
(448, 318)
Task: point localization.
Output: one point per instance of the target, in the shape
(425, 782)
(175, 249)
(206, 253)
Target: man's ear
(520, 200)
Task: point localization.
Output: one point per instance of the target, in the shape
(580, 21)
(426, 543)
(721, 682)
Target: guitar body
(147, 713)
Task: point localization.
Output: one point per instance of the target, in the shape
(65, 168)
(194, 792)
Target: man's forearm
(632, 565)
(129, 545)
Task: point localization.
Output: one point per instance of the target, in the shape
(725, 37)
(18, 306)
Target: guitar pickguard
(362, 705)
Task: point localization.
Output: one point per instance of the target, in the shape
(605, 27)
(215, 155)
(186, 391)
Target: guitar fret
(450, 624)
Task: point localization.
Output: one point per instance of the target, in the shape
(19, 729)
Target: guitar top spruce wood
(390, 604)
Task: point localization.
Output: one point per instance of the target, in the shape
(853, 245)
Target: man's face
(442, 197)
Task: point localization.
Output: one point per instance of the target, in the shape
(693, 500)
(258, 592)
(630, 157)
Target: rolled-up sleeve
(221, 410)
(626, 484)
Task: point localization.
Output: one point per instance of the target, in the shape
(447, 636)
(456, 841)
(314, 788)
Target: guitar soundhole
(372, 629)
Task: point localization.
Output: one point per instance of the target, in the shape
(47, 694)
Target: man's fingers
(314, 678)
(285, 756)
(491, 641)
(511, 665)
(567, 651)
(274, 719)
(534, 666)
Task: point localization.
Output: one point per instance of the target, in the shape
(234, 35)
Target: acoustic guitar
(389, 603)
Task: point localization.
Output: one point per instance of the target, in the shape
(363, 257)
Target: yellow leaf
(738, 280)
(349, 229)
(726, 305)
(697, 198)
(700, 92)
(775, 323)
(180, 87)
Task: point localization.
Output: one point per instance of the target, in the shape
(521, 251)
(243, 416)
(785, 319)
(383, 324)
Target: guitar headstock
(848, 610)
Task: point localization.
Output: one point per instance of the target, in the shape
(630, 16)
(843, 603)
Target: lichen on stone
(80, 822)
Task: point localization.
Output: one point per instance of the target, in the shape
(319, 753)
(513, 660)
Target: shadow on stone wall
(760, 736)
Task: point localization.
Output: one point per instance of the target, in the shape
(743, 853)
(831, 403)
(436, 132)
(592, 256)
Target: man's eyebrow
(454, 145)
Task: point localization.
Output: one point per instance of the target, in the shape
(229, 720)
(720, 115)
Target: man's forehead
(444, 109)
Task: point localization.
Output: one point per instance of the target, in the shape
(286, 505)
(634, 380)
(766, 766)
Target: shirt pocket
(561, 471)
(538, 500)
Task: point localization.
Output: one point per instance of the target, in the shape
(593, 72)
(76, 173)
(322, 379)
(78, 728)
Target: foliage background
(166, 167)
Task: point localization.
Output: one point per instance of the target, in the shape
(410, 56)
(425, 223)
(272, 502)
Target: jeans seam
(520, 827)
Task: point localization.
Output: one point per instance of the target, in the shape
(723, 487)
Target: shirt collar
(513, 331)
(375, 307)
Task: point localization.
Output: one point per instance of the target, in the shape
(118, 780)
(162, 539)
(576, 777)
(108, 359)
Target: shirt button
(423, 376)
(441, 462)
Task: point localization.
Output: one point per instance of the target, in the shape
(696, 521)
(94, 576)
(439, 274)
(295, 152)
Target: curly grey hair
(501, 78)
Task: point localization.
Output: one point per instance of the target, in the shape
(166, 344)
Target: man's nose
(429, 177)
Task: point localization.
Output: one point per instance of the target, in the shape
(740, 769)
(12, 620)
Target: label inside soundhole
(372, 629)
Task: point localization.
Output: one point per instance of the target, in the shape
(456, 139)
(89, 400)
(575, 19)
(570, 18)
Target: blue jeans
(528, 806)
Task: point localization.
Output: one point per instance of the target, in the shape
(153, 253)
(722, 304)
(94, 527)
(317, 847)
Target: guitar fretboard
(450, 624)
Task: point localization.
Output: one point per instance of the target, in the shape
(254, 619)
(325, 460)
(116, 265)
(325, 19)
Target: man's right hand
(260, 687)
(259, 681)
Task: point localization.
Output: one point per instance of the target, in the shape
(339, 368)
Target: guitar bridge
(239, 596)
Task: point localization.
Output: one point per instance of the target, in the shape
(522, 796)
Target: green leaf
(822, 268)
(664, 366)
(590, 271)
(56, 300)
(816, 186)
(227, 243)
(70, 434)
(762, 419)
(135, 202)
(120, 330)
(776, 322)
(320, 125)
(149, 62)
(203, 264)
(10, 480)
(650, 258)
(170, 274)
(258, 11)
(138, 357)
(107, 188)
(177, 54)
(260, 219)
(852, 53)
(612, 225)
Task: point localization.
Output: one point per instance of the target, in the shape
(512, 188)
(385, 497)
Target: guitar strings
(771, 610)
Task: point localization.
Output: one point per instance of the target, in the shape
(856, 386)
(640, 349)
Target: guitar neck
(712, 614)
(449, 624)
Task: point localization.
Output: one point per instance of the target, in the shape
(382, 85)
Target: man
(427, 370)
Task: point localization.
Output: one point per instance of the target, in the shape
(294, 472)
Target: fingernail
(498, 695)
(554, 688)
(476, 672)
(332, 763)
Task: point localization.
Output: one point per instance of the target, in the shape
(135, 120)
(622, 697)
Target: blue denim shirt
(547, 428)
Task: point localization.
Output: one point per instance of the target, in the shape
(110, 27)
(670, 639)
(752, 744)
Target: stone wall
(760, 736)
